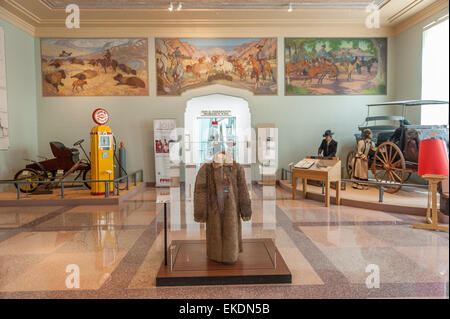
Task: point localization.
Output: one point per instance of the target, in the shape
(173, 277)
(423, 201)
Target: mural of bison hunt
(94, 67)
(185, 64)
(335, 66)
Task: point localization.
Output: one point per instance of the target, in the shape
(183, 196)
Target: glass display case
(186, 238)
(216, 134)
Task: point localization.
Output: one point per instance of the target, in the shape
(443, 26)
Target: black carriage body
(395, 137)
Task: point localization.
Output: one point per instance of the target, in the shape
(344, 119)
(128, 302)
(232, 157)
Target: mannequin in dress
(360, 162)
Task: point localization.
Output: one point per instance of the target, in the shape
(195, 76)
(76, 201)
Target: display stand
(185, 259)
(432, 221)
(189, 265)
(164, 199)
(322, 170)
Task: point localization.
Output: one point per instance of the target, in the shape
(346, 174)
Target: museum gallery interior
(222, 149)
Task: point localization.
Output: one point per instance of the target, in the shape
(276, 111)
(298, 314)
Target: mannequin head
(328, 135)
(222, 157)
(367, 134)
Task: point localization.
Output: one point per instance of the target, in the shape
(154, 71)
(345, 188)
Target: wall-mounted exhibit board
(4, 136)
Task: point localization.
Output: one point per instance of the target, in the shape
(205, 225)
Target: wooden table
(328, 171)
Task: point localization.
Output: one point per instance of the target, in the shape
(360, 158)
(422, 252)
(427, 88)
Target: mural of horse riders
(185, 64)
(94, 67)
(335, 66)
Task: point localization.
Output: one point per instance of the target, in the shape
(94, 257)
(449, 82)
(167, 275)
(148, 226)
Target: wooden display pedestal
(260, 263)
(432, 212)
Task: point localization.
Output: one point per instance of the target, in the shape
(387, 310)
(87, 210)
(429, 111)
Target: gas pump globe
(102, 156)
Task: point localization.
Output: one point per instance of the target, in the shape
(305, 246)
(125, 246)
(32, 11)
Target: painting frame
(274, 66)
(377, 90)
(145, 58)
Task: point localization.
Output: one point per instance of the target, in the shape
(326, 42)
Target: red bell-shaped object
(433, 158)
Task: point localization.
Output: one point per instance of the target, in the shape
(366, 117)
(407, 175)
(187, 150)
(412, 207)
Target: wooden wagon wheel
(389, 166)
(348, 163)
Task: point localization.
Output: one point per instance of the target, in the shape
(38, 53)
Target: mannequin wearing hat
(328, 147)
(360, 162)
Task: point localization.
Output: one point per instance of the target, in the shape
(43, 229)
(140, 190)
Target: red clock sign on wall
(100, 116)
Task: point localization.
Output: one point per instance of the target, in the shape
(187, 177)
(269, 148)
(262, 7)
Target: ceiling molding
(49, 7)
(36, 20)
(226, 30)
(420, 16)
(19, 8)
(17, 22)
(404, 10)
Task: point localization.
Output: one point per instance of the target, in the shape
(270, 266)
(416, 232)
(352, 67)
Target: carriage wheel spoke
(390, 153)
(384, 175)
(395, 154)
(400, 173)
(379, 159)
(398, 177)
(395, 164)
(391, 178)
(382, 154)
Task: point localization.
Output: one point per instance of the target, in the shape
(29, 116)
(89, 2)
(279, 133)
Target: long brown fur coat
(221, 199)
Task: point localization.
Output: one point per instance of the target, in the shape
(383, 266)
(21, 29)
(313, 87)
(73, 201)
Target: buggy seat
(59, 150)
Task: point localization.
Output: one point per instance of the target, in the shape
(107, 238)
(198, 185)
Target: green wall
(34, 120)
(301, 120)
(21, 86)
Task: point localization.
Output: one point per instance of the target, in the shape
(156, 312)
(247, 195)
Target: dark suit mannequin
(328, 147)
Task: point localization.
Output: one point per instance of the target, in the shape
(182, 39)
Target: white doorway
(212, 119)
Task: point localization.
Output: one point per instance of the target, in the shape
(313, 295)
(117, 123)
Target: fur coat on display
(221, 199)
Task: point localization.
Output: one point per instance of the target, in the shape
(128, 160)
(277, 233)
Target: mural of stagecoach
(186, 64)
(397, 153)
(335, 66)
(94, 67)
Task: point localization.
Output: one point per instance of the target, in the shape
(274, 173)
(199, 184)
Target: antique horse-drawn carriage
(67, 160)
(396, 155)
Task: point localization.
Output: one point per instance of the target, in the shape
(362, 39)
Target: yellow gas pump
(102, 156)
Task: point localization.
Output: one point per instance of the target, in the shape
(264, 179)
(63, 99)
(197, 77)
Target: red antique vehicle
(66, 160)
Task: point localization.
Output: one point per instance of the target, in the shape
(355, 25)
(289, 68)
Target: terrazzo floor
(119, 249)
